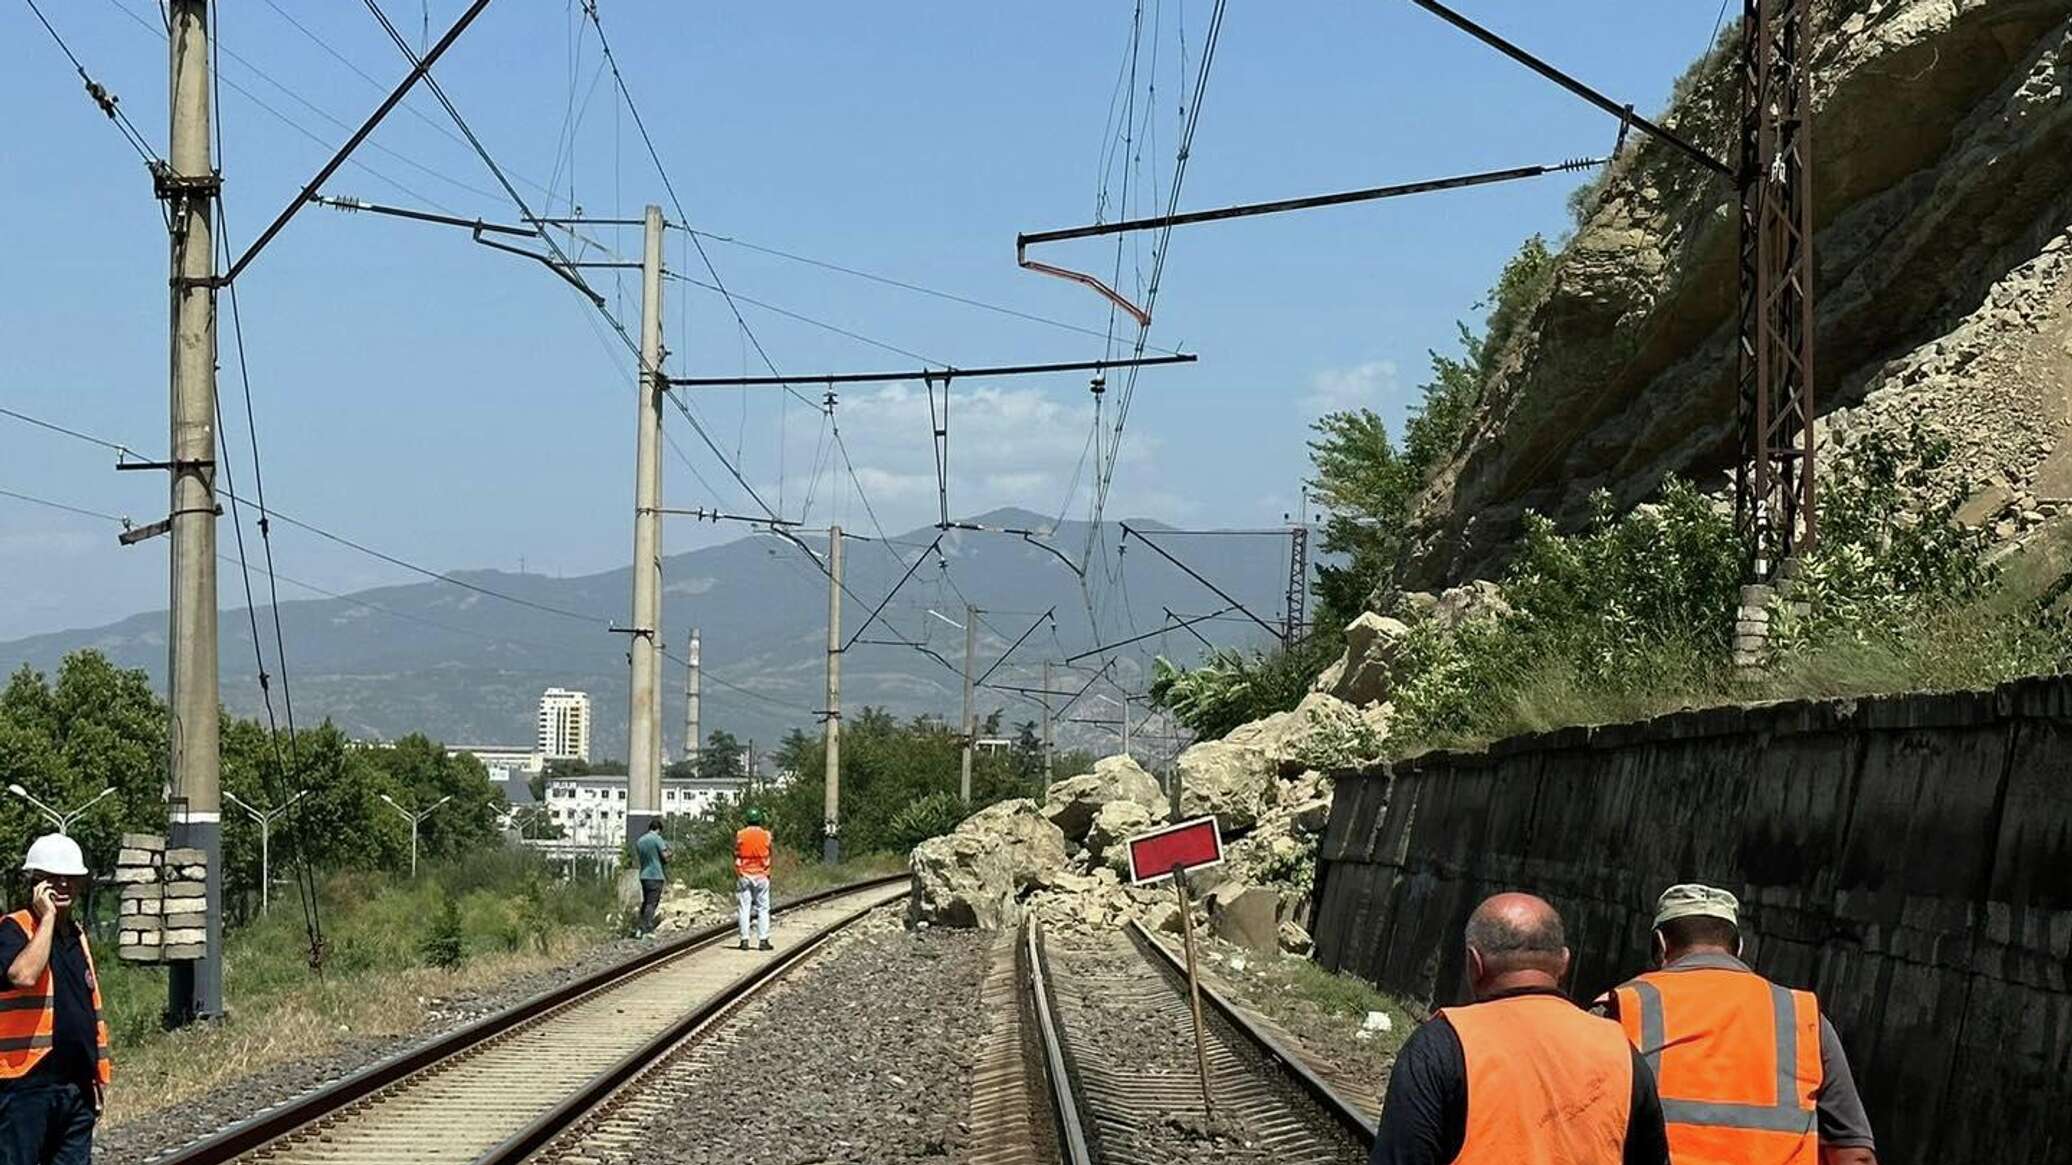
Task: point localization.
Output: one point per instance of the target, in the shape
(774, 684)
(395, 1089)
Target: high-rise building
(564, 724)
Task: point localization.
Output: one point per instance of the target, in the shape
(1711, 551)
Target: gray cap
(1692, 900)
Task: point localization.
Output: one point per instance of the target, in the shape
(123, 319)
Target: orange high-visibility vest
(29, 1016)
(1548, 1083)
(1736, 1059)
(752, 852)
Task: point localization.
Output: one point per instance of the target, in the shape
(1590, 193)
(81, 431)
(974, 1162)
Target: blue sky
(460, 408)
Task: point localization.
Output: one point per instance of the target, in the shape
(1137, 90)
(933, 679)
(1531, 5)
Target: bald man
(1521, 1076)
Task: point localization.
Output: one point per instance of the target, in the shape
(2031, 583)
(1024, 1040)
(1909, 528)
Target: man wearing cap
(53, 1039)
(1748, 1070)
(1520, 1076)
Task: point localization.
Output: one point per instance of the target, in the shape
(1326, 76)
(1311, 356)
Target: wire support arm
(896, 587)
(418, 72)
(1105, 647)
(1128, 531)
(1622, 111)
(1049, 616)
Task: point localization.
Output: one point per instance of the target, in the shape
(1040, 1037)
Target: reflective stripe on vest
(28, 1016)
(1736, 1060)
(1548, 1083)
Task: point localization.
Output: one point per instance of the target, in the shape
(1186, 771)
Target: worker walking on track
(54, 1065)
(654, 854)
(1748, 1070)
(752, 877)
(1521, 1076)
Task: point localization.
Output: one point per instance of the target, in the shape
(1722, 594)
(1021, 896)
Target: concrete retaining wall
(1909, 858)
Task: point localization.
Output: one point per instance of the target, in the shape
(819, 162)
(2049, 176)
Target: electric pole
(970, 725)
(831, 818)
(188, 185)
(644, 748)
(1048, 746)
(1125, 723)
(691, 737)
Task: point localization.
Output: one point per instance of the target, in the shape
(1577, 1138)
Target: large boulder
(1364, 675)
(1072, 804)
(1322, 731)
(975, 875)
(1115, 824)
(1248, 916)
(1236, 782)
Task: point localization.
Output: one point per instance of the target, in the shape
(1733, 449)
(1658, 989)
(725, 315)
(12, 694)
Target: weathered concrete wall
(1908, 858)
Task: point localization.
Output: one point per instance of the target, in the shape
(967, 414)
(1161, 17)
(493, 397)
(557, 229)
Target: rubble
(976, 875)
(1072, 804)
(1236, 782)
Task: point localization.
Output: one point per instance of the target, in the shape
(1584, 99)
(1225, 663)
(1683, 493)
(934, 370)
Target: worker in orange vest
(54, 1064)
(752, 877)
(1748, 1070)
(1521, 1076)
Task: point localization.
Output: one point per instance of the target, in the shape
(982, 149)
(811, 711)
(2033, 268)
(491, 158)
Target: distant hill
(469, 668)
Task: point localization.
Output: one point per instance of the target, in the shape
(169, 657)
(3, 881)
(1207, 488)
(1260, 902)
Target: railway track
(1114, 1020)
(496, 1091)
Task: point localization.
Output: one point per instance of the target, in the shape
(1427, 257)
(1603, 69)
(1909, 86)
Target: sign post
(1170, 853)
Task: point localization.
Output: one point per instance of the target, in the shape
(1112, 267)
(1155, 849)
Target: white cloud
(1360, 386)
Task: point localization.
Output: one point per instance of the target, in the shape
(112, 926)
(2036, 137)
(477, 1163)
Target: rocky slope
(1943, 192)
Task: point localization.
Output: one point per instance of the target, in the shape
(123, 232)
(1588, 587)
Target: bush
(446, 947)
(931, 816)
(1230, 687)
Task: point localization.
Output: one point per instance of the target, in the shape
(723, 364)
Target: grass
(375, 982)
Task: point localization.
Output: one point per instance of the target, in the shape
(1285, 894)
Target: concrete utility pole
(644, 746)
(831, 817)
(265, 818)
(1049, 746)
(1125, 706)
(970, 725)
(189, 185)
(691, 735)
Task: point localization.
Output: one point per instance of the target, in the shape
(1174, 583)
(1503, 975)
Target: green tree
(720, 759)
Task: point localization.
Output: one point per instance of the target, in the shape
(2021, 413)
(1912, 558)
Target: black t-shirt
(1424, 1120)
(73, 1046)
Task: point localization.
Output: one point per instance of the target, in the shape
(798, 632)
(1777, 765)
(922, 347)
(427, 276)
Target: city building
(564, 725)
(592, 809)
(504, 762)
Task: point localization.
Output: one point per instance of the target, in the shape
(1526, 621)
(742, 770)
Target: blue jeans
(753, 893)
(46, 1123)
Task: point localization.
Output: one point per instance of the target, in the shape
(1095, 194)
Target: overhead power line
(107, 102)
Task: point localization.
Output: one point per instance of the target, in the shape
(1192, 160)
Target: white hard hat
(54, 853)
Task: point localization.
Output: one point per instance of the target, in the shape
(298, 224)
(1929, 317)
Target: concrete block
(136, 857)
(149, 890)
(137, 938)
(190, 936)
(133, 875)
(144, 841)
(186, 856)
(184, 952)
(139, 954)
(185, 890)
(188, 873)
(185, 921)
(141, 908)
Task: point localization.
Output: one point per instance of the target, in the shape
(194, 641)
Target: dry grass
(313, 1019)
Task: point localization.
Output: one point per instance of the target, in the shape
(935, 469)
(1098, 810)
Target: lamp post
(415, 819)
(62, 820)
(265, 818)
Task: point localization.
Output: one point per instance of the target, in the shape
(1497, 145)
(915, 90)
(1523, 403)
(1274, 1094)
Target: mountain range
(464, 658)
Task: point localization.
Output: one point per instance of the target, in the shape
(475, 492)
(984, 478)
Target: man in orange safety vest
(54, 1061)
(1748, 1070)
(752, 877)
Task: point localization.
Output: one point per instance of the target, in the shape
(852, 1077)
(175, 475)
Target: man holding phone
(54, 1063)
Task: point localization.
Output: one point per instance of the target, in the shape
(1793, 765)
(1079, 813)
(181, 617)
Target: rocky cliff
(1942, 168)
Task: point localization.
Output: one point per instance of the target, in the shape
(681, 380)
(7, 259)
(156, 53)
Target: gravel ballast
(862, 1054)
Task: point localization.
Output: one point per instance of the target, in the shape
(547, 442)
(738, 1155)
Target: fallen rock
(1235, 782)
(1113, 825)
(1322, 730)
(1365, 671)
(1295, 940)
(975, 875)
(1072, 804)
(1247, 916)
(683, 907)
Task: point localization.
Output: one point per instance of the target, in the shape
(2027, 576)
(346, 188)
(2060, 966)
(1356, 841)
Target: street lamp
(62, 820)
(265, 818)
(414, 819)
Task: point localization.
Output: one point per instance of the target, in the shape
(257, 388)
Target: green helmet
(754, 816)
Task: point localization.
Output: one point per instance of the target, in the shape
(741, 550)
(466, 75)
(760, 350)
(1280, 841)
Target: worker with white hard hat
(1748, 1070)
(54, 1065)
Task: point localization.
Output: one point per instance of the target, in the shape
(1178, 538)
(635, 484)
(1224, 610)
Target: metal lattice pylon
(1774, 497)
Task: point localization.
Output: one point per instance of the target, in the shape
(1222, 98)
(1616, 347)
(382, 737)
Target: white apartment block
(564, 725)
(505, 763)
(592, 810)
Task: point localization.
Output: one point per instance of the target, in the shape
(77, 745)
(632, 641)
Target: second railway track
(495, 1091)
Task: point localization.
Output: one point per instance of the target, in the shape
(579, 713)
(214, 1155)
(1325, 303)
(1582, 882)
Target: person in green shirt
(654, 854)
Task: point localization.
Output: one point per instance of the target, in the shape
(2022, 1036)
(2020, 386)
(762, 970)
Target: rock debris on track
(863, 1054)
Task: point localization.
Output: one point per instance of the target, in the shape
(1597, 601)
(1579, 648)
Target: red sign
(1186, 846)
